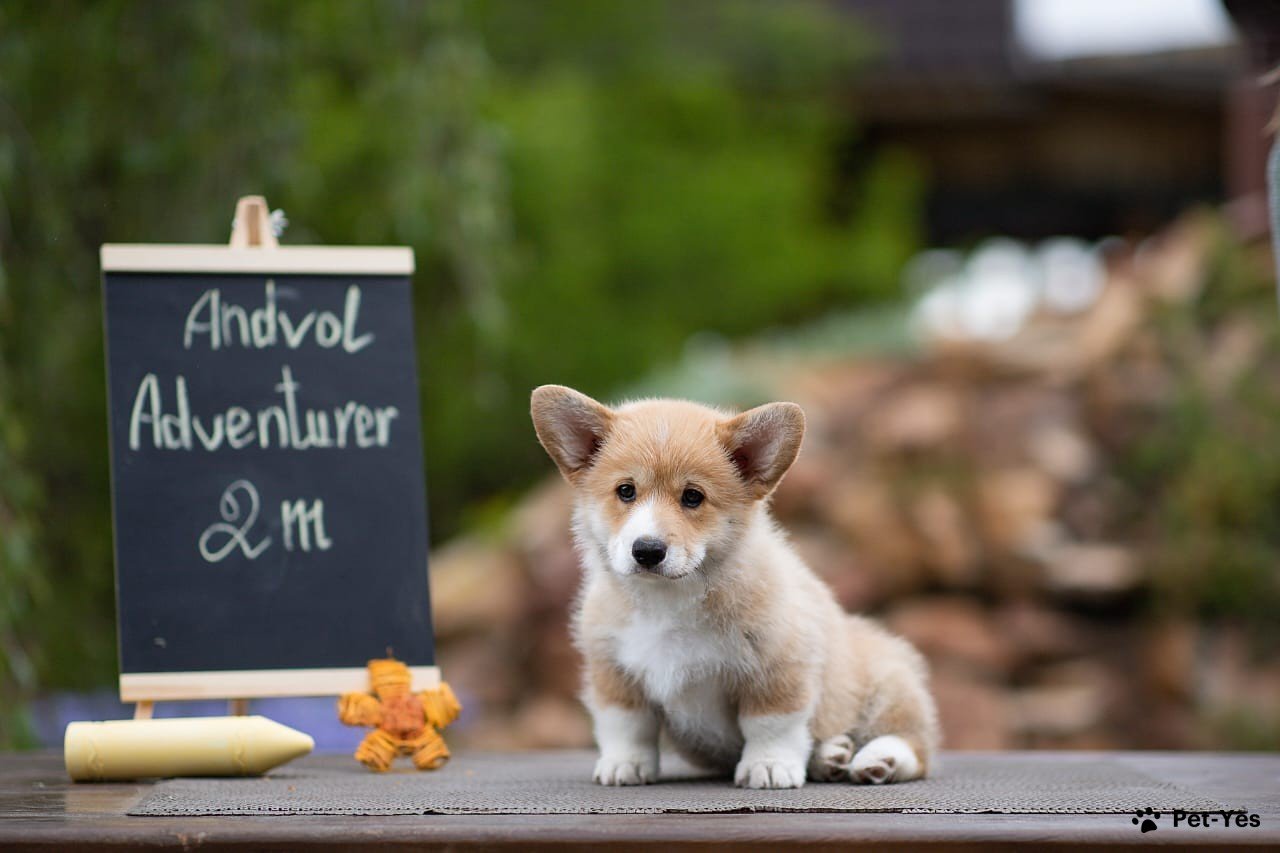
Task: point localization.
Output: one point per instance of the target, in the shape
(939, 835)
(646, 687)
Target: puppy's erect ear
(763, 442)
(571, 426)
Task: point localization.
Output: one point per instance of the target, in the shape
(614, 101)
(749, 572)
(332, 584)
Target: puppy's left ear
(763, 442)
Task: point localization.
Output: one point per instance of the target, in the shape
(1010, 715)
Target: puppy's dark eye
(626, 492)
(691, 498)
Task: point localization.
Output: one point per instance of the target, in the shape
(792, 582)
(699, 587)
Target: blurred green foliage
(23, 585)
(585, 184)
(1209, 468)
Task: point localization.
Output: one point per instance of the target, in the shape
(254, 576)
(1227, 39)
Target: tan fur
(611, 684)
(750, 631)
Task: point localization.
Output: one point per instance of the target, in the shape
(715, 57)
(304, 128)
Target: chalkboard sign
(267, 475)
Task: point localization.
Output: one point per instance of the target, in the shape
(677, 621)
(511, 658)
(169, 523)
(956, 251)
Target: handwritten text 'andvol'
(225, 324)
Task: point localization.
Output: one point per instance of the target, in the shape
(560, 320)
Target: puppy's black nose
(648, 551)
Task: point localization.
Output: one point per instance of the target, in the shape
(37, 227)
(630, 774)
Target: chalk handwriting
(226, 324)
(296, 515)
(177, 422)
(303, 525)
(232, 515)
(287, 427)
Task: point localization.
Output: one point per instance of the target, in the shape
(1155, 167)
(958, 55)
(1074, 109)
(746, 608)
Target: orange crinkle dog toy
(406, 723)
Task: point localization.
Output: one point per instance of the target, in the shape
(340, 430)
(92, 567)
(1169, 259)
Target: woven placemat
(559, 783)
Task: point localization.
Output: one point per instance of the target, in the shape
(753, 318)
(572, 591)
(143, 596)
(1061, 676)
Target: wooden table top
(41, 810)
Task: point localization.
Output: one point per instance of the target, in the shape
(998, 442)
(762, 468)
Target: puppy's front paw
(625, 771)
(769, 773)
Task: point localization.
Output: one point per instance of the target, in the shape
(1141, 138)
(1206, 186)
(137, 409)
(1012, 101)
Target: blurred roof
(926, 38)
(1031, 133)
(940, 57)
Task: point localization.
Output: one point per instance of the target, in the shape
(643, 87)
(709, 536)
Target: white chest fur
(685, 667)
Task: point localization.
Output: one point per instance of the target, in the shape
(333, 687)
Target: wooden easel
(250, 229)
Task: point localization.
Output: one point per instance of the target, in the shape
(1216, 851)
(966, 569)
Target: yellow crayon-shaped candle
(191, 746)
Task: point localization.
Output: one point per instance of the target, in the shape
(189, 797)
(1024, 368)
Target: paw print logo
(1146, 819)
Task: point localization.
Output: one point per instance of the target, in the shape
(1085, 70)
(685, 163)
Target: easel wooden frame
(252, 249)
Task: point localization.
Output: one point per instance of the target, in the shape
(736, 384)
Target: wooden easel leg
(143, 710)
(239, 707)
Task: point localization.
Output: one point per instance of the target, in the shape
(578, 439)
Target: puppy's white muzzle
(634, 550)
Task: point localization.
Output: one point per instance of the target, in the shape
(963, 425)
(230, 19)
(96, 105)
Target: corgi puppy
(696, 617)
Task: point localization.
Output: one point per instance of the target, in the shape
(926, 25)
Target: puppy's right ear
(571, 426)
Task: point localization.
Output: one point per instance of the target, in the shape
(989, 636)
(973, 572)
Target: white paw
(625, 771)
(769, 773)
(888, 758)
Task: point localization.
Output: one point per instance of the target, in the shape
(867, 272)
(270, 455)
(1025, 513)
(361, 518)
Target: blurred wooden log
(547, 721)
(475, 586)
(974, 714)
(540, 534)
(1090, 569)
(950, 550)
(1173, 265)
(1061, 451)
(921, 416)
(1168, 658)
(1035, 632)
(1069, 699)
(865, 511)
(1014, 506)
(954, 630)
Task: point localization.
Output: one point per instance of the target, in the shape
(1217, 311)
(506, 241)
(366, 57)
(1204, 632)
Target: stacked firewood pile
(974, 496)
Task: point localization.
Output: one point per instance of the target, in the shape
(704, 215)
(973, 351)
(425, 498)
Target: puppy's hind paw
(885, 759)
(873, 772)
(765, 773)
(830, 760)
(624, 771)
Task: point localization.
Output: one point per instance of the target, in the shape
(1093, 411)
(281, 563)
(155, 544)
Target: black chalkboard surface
(267, 469)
